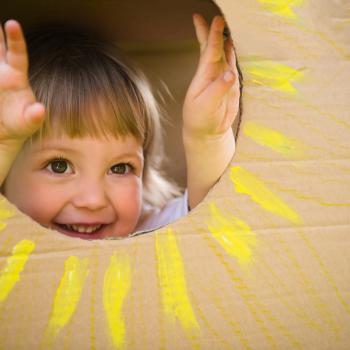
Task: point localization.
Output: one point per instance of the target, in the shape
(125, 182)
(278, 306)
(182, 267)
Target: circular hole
(161, 41)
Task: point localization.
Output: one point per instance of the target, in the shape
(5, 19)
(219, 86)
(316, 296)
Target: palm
(205, 110)
(15, 93)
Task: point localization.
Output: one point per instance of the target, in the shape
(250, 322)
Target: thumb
(34, 115)
(219, 87)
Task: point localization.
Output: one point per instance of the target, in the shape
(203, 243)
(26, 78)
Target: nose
(90, 195)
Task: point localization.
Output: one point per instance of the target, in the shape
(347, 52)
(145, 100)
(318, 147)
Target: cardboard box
(262, 263)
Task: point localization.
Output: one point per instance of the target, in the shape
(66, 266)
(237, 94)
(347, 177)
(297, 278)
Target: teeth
(84, 228)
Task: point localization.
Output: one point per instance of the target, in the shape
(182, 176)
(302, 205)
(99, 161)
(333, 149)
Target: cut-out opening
(169, 62)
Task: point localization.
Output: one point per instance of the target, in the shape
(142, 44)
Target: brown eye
(121, 168)
(58, 166)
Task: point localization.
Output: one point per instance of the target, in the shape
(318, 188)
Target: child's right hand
(20, 114)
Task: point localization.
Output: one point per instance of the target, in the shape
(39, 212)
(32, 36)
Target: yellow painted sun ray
(275, 140)
(283, 8)
(247, 183)
(67, 297)
(171, 274)
(277, 76)
(5, 213)
(116, 286)
(10, 274)
(233, 234)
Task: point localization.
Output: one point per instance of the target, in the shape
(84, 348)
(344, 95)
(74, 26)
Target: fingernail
(228, 76)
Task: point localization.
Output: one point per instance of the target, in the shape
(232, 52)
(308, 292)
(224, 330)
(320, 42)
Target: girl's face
(83, 187)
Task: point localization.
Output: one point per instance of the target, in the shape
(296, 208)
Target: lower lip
(99, 234)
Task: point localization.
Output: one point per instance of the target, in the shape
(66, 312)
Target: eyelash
(57, 159)
(132, 167)
(62, 158)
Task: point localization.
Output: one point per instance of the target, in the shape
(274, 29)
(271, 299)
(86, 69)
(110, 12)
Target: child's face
(76, 185)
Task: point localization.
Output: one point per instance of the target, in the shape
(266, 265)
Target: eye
(121, 168)
(58, 166)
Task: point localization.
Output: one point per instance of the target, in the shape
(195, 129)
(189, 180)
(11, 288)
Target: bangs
(89, 94)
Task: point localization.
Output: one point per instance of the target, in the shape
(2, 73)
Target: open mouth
(82, 231)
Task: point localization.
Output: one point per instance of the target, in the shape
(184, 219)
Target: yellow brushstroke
(116, 286)
(300, 195)
(247, 295)
(309, 124)
(333, 43)
(282, 8)
(5, 213)
(67, 296)
(234, 235)
(93, 288)
(275, 140)
(10, 274)
(273, 74)
(325, 272)
(176, 303)
(247, 183)
(229, 318)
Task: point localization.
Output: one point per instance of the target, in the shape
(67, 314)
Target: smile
(83, 228)
(85, 231)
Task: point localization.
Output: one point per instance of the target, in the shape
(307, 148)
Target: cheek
(127, 201)
(34, 198)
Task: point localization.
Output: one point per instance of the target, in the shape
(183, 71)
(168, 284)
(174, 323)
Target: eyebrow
(53, 148)
(136, 155)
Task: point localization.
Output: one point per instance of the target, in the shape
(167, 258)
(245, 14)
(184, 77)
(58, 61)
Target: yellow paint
(233, 234)
(284, 294)
(247, 183)
(176, 303)
(282, 7)
(325, 272)
(275, 140)
(305, 197)
(275, 75)
(248, 297)
(67, 296)
(116, 286)
(93, 288)
(5, 213)
(342, 50)
(308, 286)
(10, 274)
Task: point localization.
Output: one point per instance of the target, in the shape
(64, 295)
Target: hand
(212, 100)
(20, 114)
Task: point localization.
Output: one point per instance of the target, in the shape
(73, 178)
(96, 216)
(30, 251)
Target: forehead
(86, 144)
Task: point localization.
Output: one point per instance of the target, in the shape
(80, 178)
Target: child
(85, 161)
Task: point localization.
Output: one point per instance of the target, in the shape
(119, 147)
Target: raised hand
(212, 100)
(20, 114)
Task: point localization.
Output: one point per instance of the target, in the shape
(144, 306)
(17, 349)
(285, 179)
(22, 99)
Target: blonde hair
(83, 80)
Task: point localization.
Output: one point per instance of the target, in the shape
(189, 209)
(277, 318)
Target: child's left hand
(212, 100)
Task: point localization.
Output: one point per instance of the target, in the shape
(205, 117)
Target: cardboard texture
(262, 263)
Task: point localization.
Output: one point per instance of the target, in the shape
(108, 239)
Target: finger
(211, 63)
(2, 45)
(202, 30)
(16, 55)
(230, 53)
(233, 103)
(34, 115)
(219, 88)
(215, 47)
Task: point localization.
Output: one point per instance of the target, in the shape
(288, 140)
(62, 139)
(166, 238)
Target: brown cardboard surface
(262, 263)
